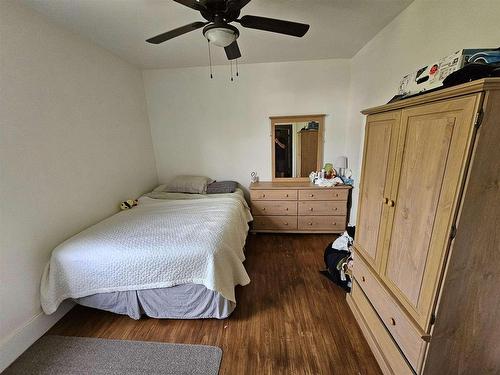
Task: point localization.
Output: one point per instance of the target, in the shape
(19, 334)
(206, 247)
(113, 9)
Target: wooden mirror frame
(291, 119)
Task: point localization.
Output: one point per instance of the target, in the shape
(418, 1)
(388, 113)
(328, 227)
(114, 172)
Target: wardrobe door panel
(377, 171)
(423, 200)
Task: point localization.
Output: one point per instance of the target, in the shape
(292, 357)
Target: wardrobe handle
(363, 278)
(385, 200)
(393, 322)
(391, 203)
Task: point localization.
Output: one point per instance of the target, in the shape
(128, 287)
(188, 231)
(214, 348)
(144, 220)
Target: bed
(174, 255)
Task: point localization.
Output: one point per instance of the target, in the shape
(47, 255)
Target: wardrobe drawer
(327, 223)
(323, 195)
(273, 195)
(322, 208)
(274, 208)
(384, 343)
(275, 222)
(406, 334)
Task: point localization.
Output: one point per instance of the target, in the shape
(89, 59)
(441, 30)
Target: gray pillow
(188, 184)
(222, 187)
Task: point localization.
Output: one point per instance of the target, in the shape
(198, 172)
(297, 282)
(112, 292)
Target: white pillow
(188, 184)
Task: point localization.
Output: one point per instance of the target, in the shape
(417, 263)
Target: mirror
(297, 146)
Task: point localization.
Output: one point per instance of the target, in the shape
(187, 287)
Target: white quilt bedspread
(159, 243)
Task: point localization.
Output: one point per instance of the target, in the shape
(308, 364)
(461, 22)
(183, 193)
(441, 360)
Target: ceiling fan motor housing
(221, 34)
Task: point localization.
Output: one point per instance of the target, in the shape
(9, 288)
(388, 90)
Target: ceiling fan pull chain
(210, 60)
(237, 72)
(231, 65)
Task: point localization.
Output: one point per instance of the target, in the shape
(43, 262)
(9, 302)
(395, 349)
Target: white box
(432, 76)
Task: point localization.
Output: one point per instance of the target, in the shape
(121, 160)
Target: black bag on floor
(333, 261)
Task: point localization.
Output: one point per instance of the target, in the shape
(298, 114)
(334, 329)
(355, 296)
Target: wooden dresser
(298, 207)
(427, 253)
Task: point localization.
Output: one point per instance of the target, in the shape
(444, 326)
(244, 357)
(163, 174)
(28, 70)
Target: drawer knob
(393, 322)
(385, 200)
(310, 209)
(263, 208)
(363, 278)
(286, 195)
(335, 209)
(263, 195)
(391, 203)
(285, 223)
(310, 223)
(311, 195)
(286, 209)
(334, 223)
(336, 194)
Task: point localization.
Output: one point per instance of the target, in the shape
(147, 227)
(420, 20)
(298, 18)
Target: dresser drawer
(323, 195)
(274, 208)
(391, 355)
(408, 336)
(328, 223)
(275, 222)
(273, 195)
(322, 208)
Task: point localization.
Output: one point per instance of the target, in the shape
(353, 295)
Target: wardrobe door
(381, 135)
(431, 163)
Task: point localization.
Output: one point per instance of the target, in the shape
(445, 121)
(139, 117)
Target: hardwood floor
(289, 319)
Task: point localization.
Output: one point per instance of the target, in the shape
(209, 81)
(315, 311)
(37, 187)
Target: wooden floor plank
(289, 319)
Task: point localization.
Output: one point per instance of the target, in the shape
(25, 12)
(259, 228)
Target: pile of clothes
(339, 262)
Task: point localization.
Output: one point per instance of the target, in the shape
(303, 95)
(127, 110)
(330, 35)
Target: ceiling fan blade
(232, 51)
(237, 4)
(175, 32)
(193, 4)
(274, 25)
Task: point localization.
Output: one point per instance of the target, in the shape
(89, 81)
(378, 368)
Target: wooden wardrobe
(426, 289)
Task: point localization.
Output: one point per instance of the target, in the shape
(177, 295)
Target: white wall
(222, 129)
(74, 142)
(422, 33)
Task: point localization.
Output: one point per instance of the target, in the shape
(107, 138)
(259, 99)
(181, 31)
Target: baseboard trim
(15, 344)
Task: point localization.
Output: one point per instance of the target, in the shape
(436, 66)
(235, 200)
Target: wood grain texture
(385, 350)
(381, 138)
(289, 319)
(308, 152)
(467, 326)
(406, 334)
(271, 206)
(430, 175)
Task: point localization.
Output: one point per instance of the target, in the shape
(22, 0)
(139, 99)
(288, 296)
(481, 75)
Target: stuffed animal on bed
(128, 204)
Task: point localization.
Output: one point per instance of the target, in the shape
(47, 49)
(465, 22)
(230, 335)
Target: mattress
(182, 259)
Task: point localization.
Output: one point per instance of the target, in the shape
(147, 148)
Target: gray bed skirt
(186, 301)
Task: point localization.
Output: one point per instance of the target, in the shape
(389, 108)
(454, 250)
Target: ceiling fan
(217, 29)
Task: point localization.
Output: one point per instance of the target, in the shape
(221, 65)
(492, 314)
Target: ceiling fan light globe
(221, 36)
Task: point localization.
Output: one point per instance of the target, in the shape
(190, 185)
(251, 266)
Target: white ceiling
(339, 28)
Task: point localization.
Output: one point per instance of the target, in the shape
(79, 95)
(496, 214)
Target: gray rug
(80, 355)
